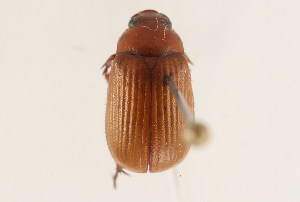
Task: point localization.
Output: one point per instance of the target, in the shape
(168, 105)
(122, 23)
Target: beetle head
(147, 17)
(150, 34)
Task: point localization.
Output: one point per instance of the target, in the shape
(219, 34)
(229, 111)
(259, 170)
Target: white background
(246, 80)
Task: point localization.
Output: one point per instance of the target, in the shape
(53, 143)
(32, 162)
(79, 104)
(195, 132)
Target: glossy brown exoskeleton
(143, 122)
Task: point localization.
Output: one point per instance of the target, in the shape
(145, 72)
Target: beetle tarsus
(107, 66)
(119, 169)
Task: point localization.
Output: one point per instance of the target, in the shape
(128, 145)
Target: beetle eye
(168, 23)
(132, 22)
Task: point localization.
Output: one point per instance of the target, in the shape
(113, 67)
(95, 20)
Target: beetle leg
(188, 59)
(119, 169)
(107, 66)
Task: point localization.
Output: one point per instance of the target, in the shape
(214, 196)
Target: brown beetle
(143, 122)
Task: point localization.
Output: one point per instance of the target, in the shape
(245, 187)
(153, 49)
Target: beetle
(143, 122)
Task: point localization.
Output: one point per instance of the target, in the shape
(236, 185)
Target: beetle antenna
(194, 133)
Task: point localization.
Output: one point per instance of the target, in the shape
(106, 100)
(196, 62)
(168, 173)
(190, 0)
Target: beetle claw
(119, 169)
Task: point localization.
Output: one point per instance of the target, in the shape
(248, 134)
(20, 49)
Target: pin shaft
(182, 103)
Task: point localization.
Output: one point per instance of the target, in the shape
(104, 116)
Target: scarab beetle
(143, 122)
